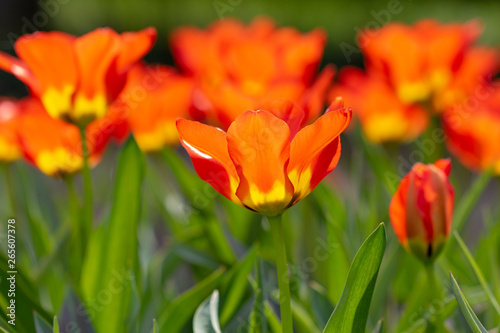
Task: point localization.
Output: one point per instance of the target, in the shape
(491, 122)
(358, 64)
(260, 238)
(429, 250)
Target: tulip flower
(413, 72)
(54, 146)
(420, 59)
(238, 67)
(473, 131)
(382, 115)
(421, 209)
(10, 148)
(151, 102)
(77, 78)
(266, 161)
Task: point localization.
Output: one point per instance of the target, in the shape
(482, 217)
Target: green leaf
(304, 323)
(235, 286)
(5, 327)
(380, 326)
(258, 320)
(26, 298)
(478, 273)
(55, 325)
(320, 304)
(206, 317)
(474, 323)
(155, 326)
(73, 316)
(178, 313)
(469, 199)
(112, 252)
(351, 312)
(41, 325)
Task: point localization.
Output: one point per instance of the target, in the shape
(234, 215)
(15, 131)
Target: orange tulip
(409, 69)
(267, 161)
(54, 146)
(237, 67)
(421, 59)
(473, 131)
(151, 103)
(382, 115)
(10, 149)
(421, 209)
(77, 78)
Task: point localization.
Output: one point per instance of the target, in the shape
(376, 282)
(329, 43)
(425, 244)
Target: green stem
(75, 245)
(10, 188)
(86, 227)
(432, 280)
(436, 294)
(468, 201)
(283, 278)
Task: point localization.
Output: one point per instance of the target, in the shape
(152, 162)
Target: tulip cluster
(247, 102)
(423, 70)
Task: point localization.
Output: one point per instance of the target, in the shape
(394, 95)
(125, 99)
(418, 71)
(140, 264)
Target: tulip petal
(51, 59)
(95, 52)
(397, 211)
(287, 111)
(259, 146)
(134, 46)
(315, 150)
(207, 146)
(19, 69)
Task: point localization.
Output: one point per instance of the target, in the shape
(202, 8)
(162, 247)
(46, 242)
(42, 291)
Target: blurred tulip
(473, 132)
(77, 78)
(10, 149)
(409, 69)
(151, 103)
(382, 115)
(238, 67)
(420, 59)
(266, 161)
(421, 209)
(55, 146)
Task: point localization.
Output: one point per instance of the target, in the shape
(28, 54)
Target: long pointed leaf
(351, 312)
(107, 279)
(474, 323)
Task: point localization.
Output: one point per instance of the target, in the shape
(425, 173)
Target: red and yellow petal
(50, 144)
(259, 147)
(287, 111)
(152, 119)
(19, 69)
(95, 52)
(10, 149)
(315, 150)
(207, 146)
(397, 212)
(54, 146)
(134, 46)
(51, 59)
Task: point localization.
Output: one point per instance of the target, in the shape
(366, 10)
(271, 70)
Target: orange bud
(421, 209)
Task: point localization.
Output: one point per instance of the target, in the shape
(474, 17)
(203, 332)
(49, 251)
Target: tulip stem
(437, 296)
(87, 193)
(76, 245)
(10, 188)
(283, 278)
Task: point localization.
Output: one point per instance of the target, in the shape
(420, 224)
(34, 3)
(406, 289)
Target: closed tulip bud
(421, 209)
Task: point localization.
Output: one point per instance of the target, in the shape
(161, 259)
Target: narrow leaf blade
(351, 313)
